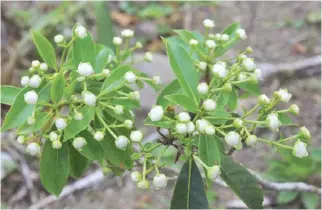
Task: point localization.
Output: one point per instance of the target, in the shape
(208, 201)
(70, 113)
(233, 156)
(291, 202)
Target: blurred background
(286, 42)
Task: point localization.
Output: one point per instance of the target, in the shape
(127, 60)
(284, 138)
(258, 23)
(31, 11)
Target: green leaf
(128, 103)
(8, 94)
(116, 79)
(219, 112)
(189, 192)
(170, 89)
(101, 59)
(42, 118)
(222, 99)
(242, 183)
(76, 126)
(54, 167)
(233, 99)
(286, 197)
(155, 11)
(45, 49)
(183, 67)
(104, 25)
(84, 50)
(251, 88)
(57, 88)
(183, 101)
(209, 151)
(284, 119)
(162, 124)
(310, 200)
(92, 150)
(77, 162)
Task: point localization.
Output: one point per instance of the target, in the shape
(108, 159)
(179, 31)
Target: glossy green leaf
(310, 200)
(170, 89)
(189, 191)
(183, 101)
(222, 99)
(284, 119)
(45, 49)
(54, 167)
(57, 88)
(219, 112)
(286, 197)
(242, 183)
(77, 162)
(102, 59)
(92, 150)
(183, 67)
(42, 119)
(162, 124)
(233, 99)
(116, 79)
(251, 88)
(128, 103)
(8, 94)
(209, 151)
(188, 35)
(84, 50)
(76, 126)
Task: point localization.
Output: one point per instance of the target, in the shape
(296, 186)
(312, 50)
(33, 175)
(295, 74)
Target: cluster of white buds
(207, 23)
(156, 113)
(219, 69)
(210, 44)
(33, 148)
(201, 125)
(127, 33)
(184, 125)
(121, 142)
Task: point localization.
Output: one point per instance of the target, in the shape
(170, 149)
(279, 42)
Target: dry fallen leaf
(123, 19)
(299, 48)
(155, 45)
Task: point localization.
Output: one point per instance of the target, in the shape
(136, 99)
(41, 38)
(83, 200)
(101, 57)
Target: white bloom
(251, 140)
(78, 116)
(181, 128)
(203, 88)
(80, 32)
(299, 149)
(43, 67)
(35, 64)
(118, 109)
(33, 148)
(160, 181)
(128, 124)
(127, 33)
(224, 37)
(241, 33)
(35, 81)
(258, 73)
(59, 38)
(184, 117)
(60, 123)
(263, 99)
(121, 142)
(207, 23)
(294, 109)
(85, 69)
(156, 113)
(210, 44)
(202, 66)
(209, 105)
(193, 42)
(89, 98)
(213, 172)
(220, 70)
(25, 81)
(79, 143)
(190, 127)
(106, 72)
(136, 136)
(130, 77)
(56, 144)
(31, 97)
(249, 64)
(210, 130)
(201, 125)
(136, 176)
(148, 57)
(117, 40)
(232, 138)
(31, 120)
(305, 133)
(53, 136)
(272, 122)
(98, 135)
(283, 95)
(138, 45)
(135, 95)
(21, 139)
(143, 184)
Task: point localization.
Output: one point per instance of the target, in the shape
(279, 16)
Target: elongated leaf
(183, 101)
(251, 88)
(209, 151)
(128, 103)
(116, 79)
(284, 118)
(170, 89)
(189, 192)
(42, 120)
(76, 126)
(77, 162)
(188, 35)
(219, 112)
(183, 68)
(242, 183)
(286, 197)
(101, 59)
(84, 50)
(54, 168)
(57, 88)
(92, 150)
(233, 99)
(8, 94)
(162, 124)
(45, 49)
(310, 200)
(222, 99)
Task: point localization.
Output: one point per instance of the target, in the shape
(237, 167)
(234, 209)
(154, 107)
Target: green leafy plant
(80, 110)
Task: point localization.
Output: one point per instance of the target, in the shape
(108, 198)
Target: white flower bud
(210, 130)
(43, 67)
(220, 70)
(56, 144)
(201, 125)
(136, 136)
(79, 143)
(242, 77)
(207, 23)
(190, 127)
(81, 32)
(193, 42)
(35, 81)
(106, 72)
(249, 64)
(80, 79)
(209, 105)
(156, 113)
(160, 181)
(89, 98)
(218, 36)
(211, 36)
(202, 66)
(25, 81)
(195, 133)
(272, 122)
(238, 123)
(35, 64)
(251, 140)
(31, 120)
(156, 80)
(202, 88)
(283, 95)
(227, 87)
(242, 57)
(213, 172)
(136, 176)
(241, 33)
(224, 37)
(127, 33)
(121, 142)
(78, 116)
(305, 133)
(294, 109)
(148, 57)
(143, 184)
(263, 99)
(258, 73)
(53, 136)
(184, 117)
(31, 97)
(98, 135)
(21, 139)
(59, 38)
(85, 69)
(181, 128)
(118, 109)
(138, 45)
(210, 44)
(128, 124)
(135, 95)
(299, 149)
(232, 138)
(117, 40)
(33, 148)
(60, 123)
(130, 77)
